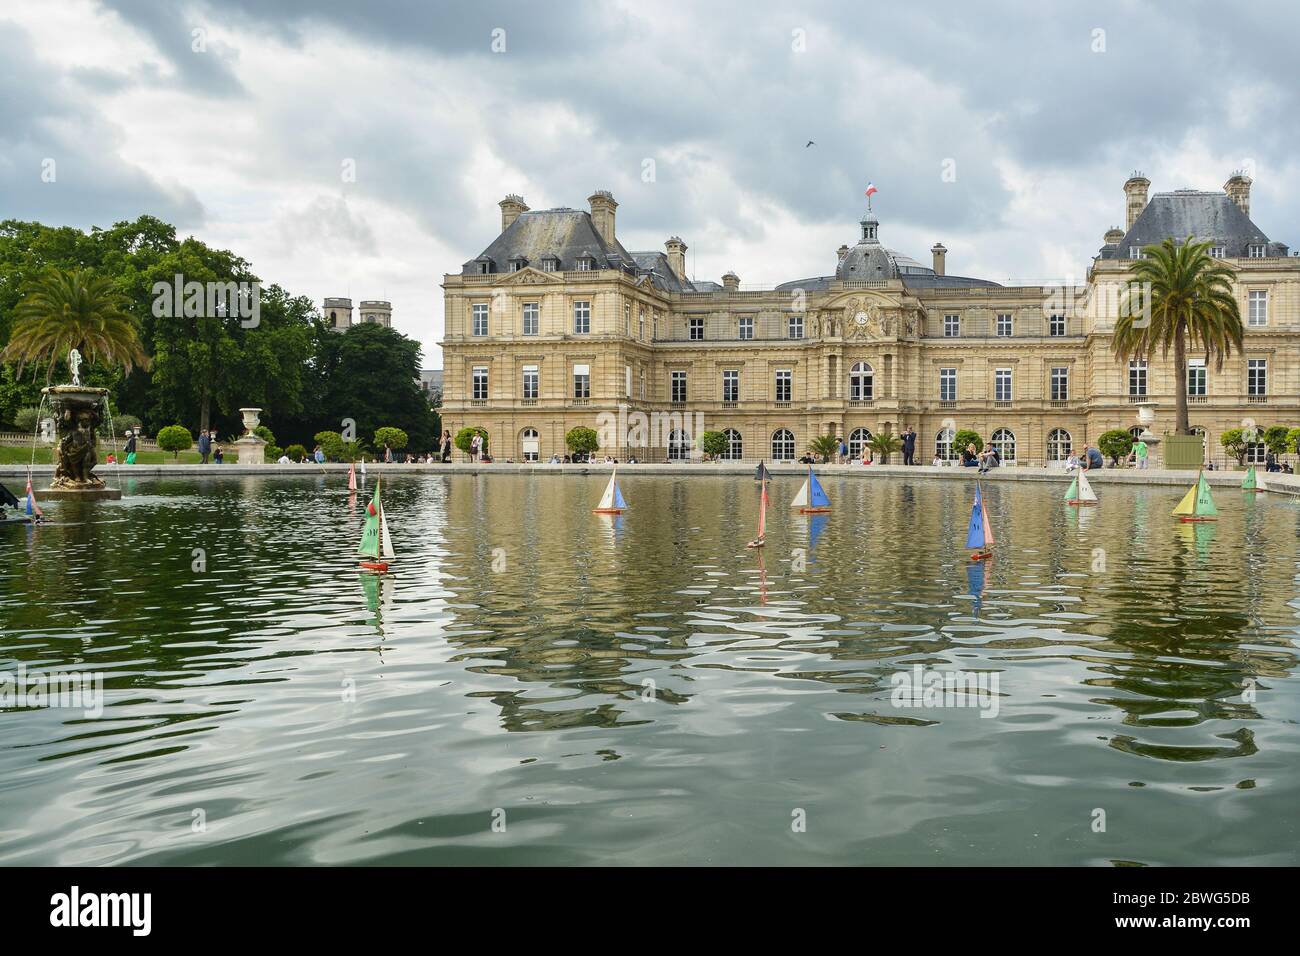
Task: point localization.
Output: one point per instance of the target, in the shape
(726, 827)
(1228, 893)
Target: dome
(870, 260)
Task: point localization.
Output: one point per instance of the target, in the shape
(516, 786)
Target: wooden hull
(814, 511)
(1195, 518)
(374, 567)
(981, 555)
(607, 511)
(1078, 503)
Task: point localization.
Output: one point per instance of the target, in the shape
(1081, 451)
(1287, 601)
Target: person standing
(388, 453)
(475, 446)
(318, 454)
(446, 446)
(130, 447)
(1140, 452)
(844, 452)
(909, 446)
(205, 447)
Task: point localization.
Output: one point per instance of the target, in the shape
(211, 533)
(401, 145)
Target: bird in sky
(810, 143)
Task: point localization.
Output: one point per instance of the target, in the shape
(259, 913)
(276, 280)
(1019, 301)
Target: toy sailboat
(375, 543)
(34, 512)
(761, 473)
(1198, 503)
(979, 537)
(1080, 492)
(811, 499)
(611, 502)
(352, 477)
(1250, 482)
(762, 517)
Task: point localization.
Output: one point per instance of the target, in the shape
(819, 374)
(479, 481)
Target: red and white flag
(871, 190)
(33, 509)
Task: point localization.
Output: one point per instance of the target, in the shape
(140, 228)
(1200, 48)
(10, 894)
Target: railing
(1059, 403)
(1140, 400)
(861, 402)
(729, 403)
(1257, 399)
(1197, 399)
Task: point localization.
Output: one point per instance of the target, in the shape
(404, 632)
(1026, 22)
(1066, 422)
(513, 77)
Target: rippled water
(644, 690)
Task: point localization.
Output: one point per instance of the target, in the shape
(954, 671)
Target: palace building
(555, 324)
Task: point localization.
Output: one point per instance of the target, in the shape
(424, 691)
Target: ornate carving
(77, 414)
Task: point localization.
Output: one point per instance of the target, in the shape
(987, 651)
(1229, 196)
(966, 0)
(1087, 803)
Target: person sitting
(969, 459)
(1072, 462)
(284, 460)
(1092, 458)
(1270, 463)
(938, 462)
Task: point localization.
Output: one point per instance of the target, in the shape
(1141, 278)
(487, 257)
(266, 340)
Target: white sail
(801, 499)
(607, 499)
(1085, 490)
(385, 542)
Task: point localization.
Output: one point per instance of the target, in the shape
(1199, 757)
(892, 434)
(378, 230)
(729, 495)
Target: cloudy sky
(1003, 129)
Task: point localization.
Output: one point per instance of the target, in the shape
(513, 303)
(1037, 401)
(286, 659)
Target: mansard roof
(1206, 216)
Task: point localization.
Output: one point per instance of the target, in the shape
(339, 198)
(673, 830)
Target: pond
(536, 684)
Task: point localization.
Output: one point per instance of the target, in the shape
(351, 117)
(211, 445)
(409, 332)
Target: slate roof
(1206, 216)
(661, 273)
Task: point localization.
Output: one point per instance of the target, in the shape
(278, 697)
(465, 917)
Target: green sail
(1073, 491)
(1204, 500)
(1249, 482)
(370, 536)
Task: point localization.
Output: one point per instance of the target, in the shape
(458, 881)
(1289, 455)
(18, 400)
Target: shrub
(25, 420)
(466, 435)
(1293, 441)
(966, 437)
(824, 447)
(714, 443)
(264, 433)
(1234, 443)
(394, 437)
(1277, 439)
(1115, 444)
(295, 452)
(175, 439)
(331, 443)
(886, 443)
(582, 440)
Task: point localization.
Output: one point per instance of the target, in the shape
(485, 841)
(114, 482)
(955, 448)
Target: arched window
(858, 443)
(530, 445)
(1059, 444)
(1004, 442)
(861, 383)
(943, 444)
(783, 445)
(679, 445)
(735, 445)
(1135, 432)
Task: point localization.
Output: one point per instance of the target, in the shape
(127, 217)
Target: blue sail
(975, 581)
(975, 536)
(816, 525)
(618, 497)
(816, 497)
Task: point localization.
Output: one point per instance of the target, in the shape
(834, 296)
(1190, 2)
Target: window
(784, 385)
(1254, 251)
(735, 445)
(1137, 377)
(858, 439)
(1056, 325)
(479, 390)
(731, 385)
(1004, 443)
(1059, 384)
(627, 381)
(641, 380)
(1196, 376)
(947, 385)
(640, 327)
(530, 444)
(586, 264)
(549, 264)
(861, 383)
(530, 318)
(794, 329)
(1003, 324)
(1217, 252)
(679, 445)
(745, 327)
(581, 317)
(783, 445)
(479, 324)
(1256, 453)
(1059, 444)
(1002, 385)
(1257, 377)
(627, 318)
(679, 387)
(1135, 252)
(530, 381)
(485, 267)
(516, 264)
(943, 445)
(951, 326)
(582, 381)
(696, 328)
(1257, 311)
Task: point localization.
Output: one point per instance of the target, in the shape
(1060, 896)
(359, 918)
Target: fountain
(251, 449)
(78, 413)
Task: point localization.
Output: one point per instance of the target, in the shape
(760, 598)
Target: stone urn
(251, 449)
(78, 413)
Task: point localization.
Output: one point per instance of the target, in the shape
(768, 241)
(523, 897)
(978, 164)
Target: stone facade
(556, 325)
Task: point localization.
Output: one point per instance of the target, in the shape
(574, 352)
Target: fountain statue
(78, 413)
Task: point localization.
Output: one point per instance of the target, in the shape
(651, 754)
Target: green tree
(824, 447)
(1183, 298)
(61, 311)
(886, 443)
(296, 452)
(1115, 444)
(1277, 439)
(331, 443)
(1234, 442)
(26, 419)
(1293, 441)
(395, 438)
(175, 439)
(582, 440)
(966, 437)
(714, 444)
(466, 435)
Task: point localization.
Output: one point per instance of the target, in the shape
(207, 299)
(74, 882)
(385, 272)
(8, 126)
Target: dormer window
(517, 263)
(484, 265)
(1217, 252)
(1255, 251)
(550, 264)
(586, 264)
(1135, 252)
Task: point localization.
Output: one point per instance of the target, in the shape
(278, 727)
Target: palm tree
(61, 311)
(824, 446)
(1190, 301)
(884, 444)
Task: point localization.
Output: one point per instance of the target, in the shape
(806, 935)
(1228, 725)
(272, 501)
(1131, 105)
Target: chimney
(511, 207)
(841, 252)
(938, 251)
(1238, 189)
(731, 282)
(1135, 190)
(676, 256)
(602, 213)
